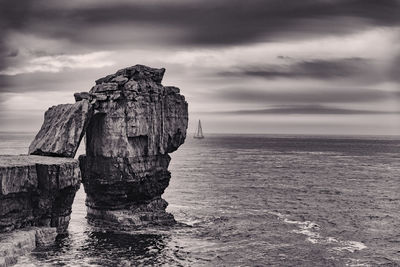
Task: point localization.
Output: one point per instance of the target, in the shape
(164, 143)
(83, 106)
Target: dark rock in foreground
(62, 130)
(37, 191)
(137, 122)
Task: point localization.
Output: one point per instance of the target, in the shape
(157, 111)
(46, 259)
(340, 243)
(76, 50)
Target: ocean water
(253, 200)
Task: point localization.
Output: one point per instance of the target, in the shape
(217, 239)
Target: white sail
(199, 133)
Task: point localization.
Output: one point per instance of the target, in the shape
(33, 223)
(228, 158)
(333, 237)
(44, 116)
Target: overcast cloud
(279, 64)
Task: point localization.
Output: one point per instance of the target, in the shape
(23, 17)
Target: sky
(254, 66)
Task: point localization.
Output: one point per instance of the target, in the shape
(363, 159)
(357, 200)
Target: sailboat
(199, 133)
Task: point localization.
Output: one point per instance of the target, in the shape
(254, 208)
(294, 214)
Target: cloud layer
(59, 63)
(308, 109)
(314, 69)
(256, 58)
(203, 22)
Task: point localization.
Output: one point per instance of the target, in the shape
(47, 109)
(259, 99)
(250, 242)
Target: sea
(254, 200)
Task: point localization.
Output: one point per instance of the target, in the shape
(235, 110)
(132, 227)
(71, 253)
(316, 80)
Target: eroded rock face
(136, 123)
(62, 130)
(37, 191)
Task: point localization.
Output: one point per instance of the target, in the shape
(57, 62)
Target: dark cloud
(114, 24)
(13, 53)
(306, 109)
(13, 16)
(316, 69)
(205, 22)
(394, 69)
(330, 95)
(41, 82)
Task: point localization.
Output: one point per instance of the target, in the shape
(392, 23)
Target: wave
(312, 231)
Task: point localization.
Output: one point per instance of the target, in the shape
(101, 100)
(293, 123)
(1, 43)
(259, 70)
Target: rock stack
(136, 123)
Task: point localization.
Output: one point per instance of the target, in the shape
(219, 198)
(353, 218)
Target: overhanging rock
(62, 130)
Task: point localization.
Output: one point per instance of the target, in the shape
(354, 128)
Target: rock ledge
(37, 191)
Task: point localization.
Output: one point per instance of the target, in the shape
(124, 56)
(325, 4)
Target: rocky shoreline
(36, 195)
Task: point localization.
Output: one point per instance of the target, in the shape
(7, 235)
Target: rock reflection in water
(106, 249)
(119, 248)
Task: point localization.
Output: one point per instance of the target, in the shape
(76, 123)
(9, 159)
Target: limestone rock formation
(62, 130)
(37, 191)
(131, 122)
(136, 123)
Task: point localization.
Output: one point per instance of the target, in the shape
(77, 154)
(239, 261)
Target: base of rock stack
(20, 242)
(134, 218)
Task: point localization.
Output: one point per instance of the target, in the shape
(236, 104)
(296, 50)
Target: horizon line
(255, 133)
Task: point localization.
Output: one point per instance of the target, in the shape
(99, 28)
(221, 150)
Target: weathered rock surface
(62, 130)
(37, 191)
(20, 242)
(136, 123)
